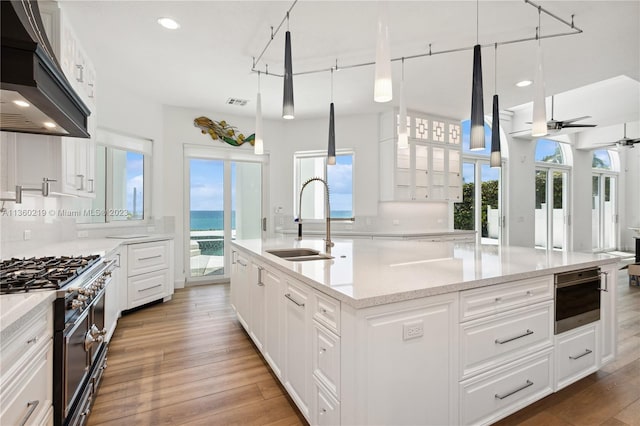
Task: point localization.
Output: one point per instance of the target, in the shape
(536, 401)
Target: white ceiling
(209, 58)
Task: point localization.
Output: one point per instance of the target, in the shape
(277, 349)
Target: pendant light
(258, 145)
(496, 157)
(287, 98)
(331, 150)
(383, 91)
(539, 126)
(477, 102)
(403, 137)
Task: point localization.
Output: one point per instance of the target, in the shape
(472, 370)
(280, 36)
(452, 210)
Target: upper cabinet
(68, 161)
(429, 169)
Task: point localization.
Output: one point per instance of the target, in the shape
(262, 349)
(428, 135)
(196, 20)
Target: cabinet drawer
(24, 341)
(493, 299)
(492, 396)
(148, 287)
(27, 398)
(147, 257)
(575, 355)
(485, 343)
(326, 359)
(326, 408)
(326, 311)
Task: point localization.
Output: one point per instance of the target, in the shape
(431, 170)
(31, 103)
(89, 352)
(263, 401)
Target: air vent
(237, 101)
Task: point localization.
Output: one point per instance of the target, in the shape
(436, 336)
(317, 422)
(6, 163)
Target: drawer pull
(585, 353)
(323, 350)
(526, 385)
(288, 296)
(150, 288)
(525, 334)
(529, 293)
(324, 311)
(498, 299)
(241, 263)
(32, 340)
(260, 283)
(31, 405)
(150, 257)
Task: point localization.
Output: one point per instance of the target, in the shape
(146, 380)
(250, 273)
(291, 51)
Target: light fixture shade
(403, 137)
(477, 103)
(496, 156)
(383, 90)
(287, 97)
(539, 127)
(331, 151)
(258, 145)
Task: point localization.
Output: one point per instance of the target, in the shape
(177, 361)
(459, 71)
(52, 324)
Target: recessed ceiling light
(20, 103)
(168, 23)
(49, 124)
(524, 83)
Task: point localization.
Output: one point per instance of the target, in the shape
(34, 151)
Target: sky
(134, 170)
(340, 179)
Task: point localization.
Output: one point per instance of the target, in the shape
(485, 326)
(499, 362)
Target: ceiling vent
(237, 101)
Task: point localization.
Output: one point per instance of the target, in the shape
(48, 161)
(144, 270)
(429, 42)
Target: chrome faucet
(327, 210)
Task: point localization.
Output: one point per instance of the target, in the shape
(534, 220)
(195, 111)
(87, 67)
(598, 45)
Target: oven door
(577, 304)
(76, 359)
(97, 310)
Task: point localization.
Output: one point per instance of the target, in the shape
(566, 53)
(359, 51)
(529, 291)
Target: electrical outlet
(412, 330)
(27, 234)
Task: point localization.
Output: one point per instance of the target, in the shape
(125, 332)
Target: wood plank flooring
(189, 362)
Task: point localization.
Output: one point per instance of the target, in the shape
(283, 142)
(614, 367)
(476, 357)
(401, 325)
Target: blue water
(208, 220)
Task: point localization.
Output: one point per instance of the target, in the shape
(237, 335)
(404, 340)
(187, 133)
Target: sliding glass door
(225, 203)
(551, 208)
(603, 208)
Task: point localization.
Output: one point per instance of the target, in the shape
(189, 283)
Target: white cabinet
(273, 348)
(26, 371)
(608, 316)
(257, 298)
(576, 355)
(399, 363)
(297, 339)
(326, 408)
(429, 169)
(240, 300)
(112, 306)
(149, 272)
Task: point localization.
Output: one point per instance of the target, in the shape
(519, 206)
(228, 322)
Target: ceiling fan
(625, 141)
(557, 125)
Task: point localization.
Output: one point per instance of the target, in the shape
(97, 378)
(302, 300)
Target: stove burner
(45, 273)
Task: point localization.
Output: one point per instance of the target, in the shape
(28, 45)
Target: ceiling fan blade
(571, 120)
(578, 125)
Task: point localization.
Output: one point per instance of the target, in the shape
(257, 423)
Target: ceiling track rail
(574, 30)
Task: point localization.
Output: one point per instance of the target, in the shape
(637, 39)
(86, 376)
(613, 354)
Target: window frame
(297, 183)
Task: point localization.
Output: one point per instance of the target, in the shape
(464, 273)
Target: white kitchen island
(403, 332)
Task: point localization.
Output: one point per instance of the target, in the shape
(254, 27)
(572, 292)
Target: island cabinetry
(399, 363)
(26, 371)
(297, 344)
(506, 348)
(576, 355)
(149, 272)
(240, 286)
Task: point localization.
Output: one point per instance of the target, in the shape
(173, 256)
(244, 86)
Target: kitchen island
(404, 332)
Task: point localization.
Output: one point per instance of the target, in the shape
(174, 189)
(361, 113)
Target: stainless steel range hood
(36, 96)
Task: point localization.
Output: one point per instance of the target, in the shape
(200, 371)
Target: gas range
(43, 273)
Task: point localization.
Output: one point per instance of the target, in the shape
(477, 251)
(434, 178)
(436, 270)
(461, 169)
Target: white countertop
(365, 273)
(14, 308)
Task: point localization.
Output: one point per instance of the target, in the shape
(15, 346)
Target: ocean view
(213, 220)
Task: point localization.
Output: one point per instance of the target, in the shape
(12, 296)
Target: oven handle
(606, 281)
(581, 281)
(75, 325)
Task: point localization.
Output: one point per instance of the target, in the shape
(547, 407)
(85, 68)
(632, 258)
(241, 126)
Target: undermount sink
(299, 254)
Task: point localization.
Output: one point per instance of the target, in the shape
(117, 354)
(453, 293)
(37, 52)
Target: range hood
(36, 96)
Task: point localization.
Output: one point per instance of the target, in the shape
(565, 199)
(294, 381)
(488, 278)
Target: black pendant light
(287, 98)
(477, 102)
(331, 150)
(496, 156)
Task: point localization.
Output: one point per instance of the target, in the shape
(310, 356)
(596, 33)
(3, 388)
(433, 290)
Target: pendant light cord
(477, 20)
(539, 29)
(258, 81)
(403, 69)
(495, 70)
(331, 85)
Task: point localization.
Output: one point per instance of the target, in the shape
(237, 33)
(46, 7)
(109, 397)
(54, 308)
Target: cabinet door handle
(150, 257)
(80, 73)
(31, 405)
(32, 340)
(233, 257)
(585, 353)
(91, 186)
(288, 296)
(502, 342)
(150, 288)
(81, 188)
(241, 263)
(526, 385)
(260, 283)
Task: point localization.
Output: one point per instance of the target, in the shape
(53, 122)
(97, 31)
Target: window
(339, 177)
(601, 159)
(548, 151)
(122, 163)
(604, 203)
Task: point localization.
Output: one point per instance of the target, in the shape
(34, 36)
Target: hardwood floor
(188, 361)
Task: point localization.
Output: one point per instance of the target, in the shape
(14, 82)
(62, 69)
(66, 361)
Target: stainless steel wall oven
(577, 298)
